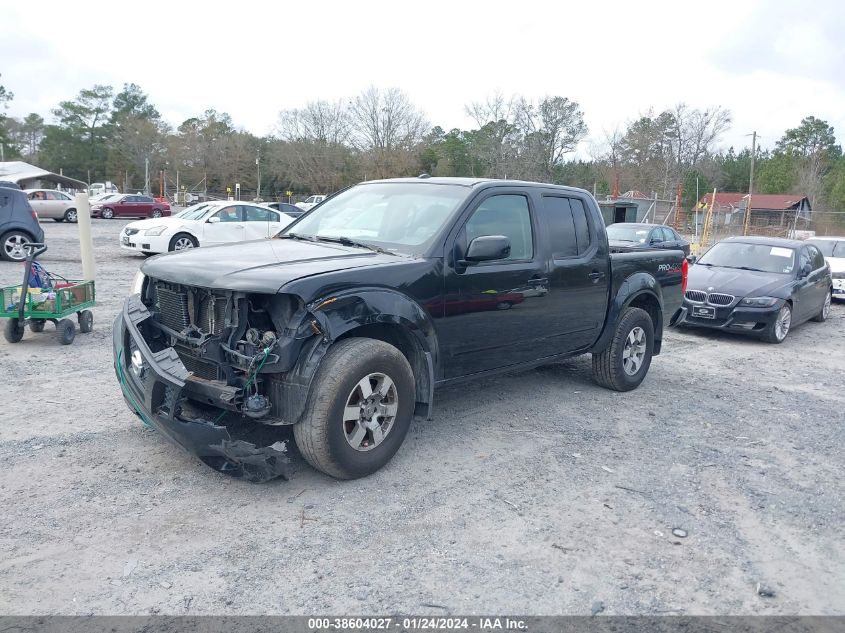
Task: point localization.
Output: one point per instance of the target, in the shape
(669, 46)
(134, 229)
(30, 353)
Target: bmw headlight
(156, 230)
(759, 302)
(137, 283)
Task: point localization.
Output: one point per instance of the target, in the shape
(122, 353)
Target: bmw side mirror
(806, 270)
(692, 259)
(213, 220)
(488, 248)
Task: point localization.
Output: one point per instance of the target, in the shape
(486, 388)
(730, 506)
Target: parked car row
(203, 224)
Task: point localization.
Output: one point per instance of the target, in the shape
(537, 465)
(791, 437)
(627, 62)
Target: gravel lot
(533, 493)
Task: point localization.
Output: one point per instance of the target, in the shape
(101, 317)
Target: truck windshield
(761, 257)
(398, 217)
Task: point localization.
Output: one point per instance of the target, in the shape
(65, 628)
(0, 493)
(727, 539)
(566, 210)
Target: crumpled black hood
(260, 266)
(740, 283)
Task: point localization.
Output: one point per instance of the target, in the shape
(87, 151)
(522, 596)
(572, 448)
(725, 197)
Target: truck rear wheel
(624, 363)
(359, 410)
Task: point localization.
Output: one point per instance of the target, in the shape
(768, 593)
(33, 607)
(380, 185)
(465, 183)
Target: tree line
(103, 134)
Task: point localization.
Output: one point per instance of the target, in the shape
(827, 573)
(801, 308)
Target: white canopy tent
(32, 177)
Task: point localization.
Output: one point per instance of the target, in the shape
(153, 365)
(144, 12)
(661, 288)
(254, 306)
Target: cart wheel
(12, 331)
(36, 325)
(86, 321)
(66, 331)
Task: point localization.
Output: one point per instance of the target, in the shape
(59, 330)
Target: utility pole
(258, 167)
(146, 176)
(750, 184)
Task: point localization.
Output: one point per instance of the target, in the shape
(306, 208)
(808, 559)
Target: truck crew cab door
(493, 310)
(579, 275)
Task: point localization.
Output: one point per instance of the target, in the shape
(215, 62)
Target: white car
(833, 249)
(203, 224)
(311, 201)
(51, 203)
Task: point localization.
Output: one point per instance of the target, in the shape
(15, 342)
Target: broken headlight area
(236, 346)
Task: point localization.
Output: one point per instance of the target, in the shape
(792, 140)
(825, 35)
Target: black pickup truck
(345, 323)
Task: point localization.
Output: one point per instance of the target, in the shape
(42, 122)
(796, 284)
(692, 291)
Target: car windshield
(761, 257)
(627, 233)
(194, 212)
(397, 217)
(829, 248)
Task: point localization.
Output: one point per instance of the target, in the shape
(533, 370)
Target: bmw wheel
(825, 311)
(779, 328)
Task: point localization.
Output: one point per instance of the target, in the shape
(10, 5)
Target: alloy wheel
(14, 247)
(370, 411)
(633, 354)
(182, 243)
(783, 323)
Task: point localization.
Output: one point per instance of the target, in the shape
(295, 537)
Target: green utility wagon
(55, 302)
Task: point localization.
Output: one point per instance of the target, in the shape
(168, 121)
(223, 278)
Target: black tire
(65, 331)
(37, 325)
(107, 214)
(774, 335)
(321, 435)
(821, 317)
(86, 321)
(70, 216)
(179, 238)
(7, 246)
(609, 367)
(12, 331)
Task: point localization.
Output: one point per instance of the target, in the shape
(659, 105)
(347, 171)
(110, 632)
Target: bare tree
(319, 122)
(386, 127)
(549, 130)
(495, 143)
(385, 120)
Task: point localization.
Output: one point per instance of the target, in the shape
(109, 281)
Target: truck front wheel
(624, 363)
(359, 410)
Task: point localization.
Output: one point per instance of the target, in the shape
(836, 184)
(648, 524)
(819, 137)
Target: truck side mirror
(487, 248)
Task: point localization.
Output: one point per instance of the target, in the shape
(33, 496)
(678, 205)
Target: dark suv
(18, 224)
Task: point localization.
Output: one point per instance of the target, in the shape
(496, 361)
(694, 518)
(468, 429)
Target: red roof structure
(759, 201)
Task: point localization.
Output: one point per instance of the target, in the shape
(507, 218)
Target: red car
(129, 206)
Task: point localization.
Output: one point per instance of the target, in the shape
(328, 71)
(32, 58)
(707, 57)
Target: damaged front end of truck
(218, 372)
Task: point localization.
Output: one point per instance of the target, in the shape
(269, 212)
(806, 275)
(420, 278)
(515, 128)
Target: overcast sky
(769, 62)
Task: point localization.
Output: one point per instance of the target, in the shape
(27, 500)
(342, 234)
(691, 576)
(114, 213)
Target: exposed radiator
(173, 305)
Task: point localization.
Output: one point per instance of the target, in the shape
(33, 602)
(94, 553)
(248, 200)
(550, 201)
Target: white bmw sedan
(203, 224)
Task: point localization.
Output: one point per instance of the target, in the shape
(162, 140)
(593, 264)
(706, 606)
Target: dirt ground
(533, 493)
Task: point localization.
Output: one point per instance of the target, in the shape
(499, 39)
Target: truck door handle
(596, 275)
